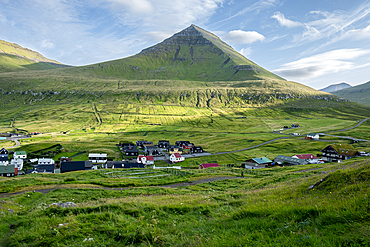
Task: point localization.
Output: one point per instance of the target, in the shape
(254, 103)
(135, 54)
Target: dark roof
(44, 168)
(4, 151)
(131, 149)
(69, 166)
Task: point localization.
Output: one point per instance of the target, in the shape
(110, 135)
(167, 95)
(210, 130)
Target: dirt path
(200, 181)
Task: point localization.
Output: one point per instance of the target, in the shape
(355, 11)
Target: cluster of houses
(14, 166)
(143, 152)
(149, 149)
(331, 153)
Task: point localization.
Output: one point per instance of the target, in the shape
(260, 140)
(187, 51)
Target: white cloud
(285, 22)
(173, 14)
(246, 52)
(137, 6)
(321, 64)
(243, 37)
(357, 34)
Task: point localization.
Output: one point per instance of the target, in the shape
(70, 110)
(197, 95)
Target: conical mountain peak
(191, 54)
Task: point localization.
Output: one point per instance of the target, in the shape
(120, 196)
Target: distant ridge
(335, 87)
(14, 57)
(359, 93)
(191, 54)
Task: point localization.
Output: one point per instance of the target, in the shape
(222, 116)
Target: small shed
(208, 165)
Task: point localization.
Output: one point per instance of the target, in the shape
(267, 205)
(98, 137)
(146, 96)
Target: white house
(45, 161)
(176, 157)
(313, 136)
(98, 158)
(20, 155)
(18, 163)
(146, 160)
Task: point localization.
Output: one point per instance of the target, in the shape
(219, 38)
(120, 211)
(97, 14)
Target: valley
(193, 87)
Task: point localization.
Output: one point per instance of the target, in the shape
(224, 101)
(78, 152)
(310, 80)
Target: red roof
(305, 156)
(177, 155)
(147, 157)
(207, 165)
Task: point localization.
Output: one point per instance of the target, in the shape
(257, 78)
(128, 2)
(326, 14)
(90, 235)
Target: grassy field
(269, 207)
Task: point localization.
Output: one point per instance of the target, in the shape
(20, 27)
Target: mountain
(335, 87)
(192, 54)
(13, 57)
(359, 94)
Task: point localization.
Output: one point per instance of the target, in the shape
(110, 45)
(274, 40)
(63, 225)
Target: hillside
(192, 54)
(359, 94)
(15, 58)
(335, 87)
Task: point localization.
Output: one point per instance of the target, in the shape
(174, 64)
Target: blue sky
(316, 42)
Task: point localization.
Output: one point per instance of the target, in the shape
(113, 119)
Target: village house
(337, 152)
(187, 145)
(4, 157)
(163, 144)
(44, 168)
(130, 150)
(64, 159)
(96, 158)
(142, 144)
(145, 160)
(310, 158)
(176, 157)
(208, 165)
(20, 155)
(18, 163)
(180, 143)
(196, 150)
(258, 163)
(45, 161)
(151, 150)
(69, 166)
(8, 171)
(286, 160)
(174, 149)
(312, 136)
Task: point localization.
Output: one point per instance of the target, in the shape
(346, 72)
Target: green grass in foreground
(270, 207)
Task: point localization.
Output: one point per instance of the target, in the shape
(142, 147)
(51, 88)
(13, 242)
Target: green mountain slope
(14, 58)
(359, 94)
(192, 54)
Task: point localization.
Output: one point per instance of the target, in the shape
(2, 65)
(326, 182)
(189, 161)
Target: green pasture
(268, 207)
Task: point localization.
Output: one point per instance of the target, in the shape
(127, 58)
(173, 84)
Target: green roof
(344, 149)
(20, 153)
(262, 160)
(7, 169)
